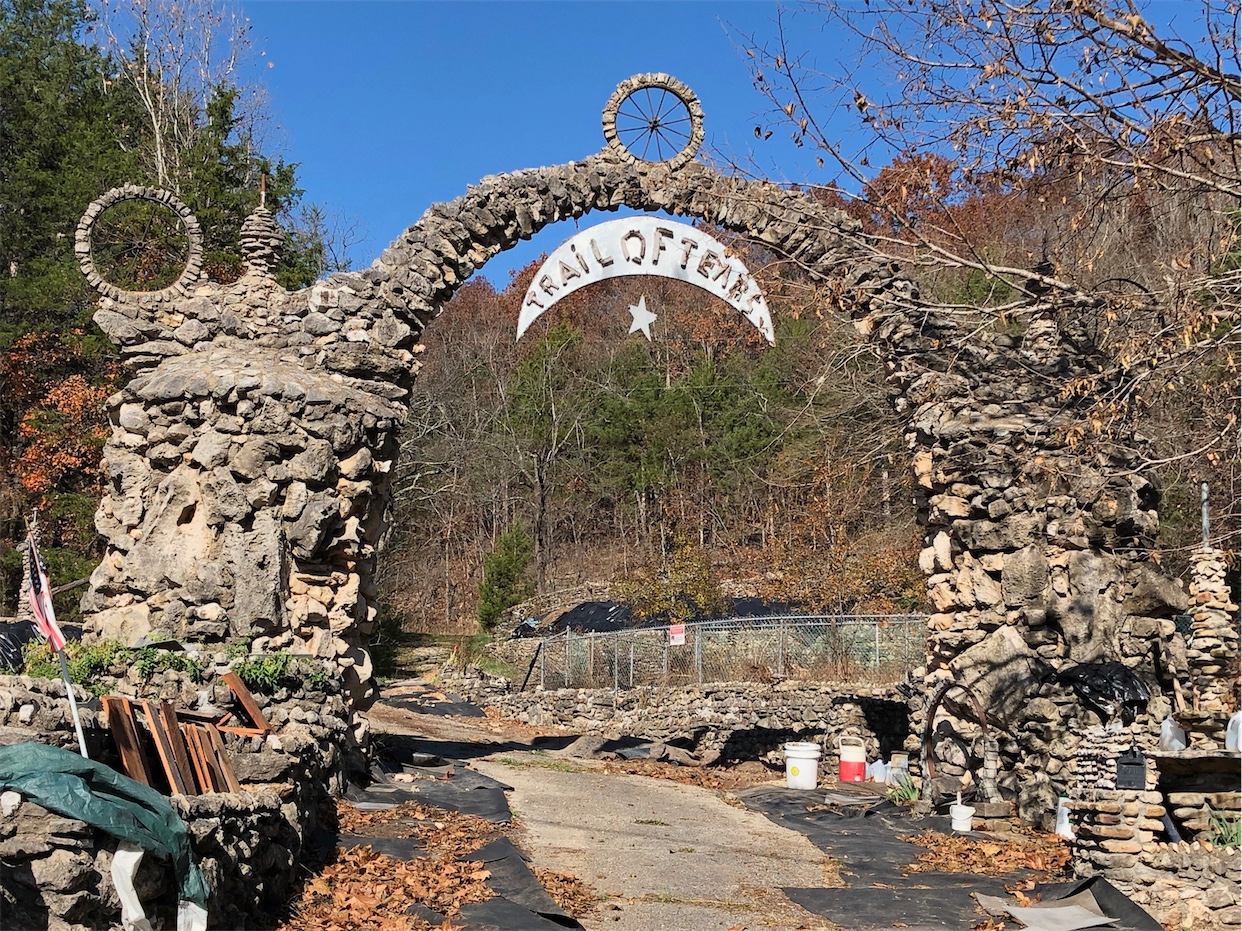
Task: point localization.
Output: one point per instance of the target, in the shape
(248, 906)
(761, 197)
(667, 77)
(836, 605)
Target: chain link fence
(866, 648)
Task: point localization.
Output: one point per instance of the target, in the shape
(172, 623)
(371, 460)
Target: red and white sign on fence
(677, 635)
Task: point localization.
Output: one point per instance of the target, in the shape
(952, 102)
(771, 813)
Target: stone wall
(1189, 884)
(1123, 833)
(54, 871)
(734, 720)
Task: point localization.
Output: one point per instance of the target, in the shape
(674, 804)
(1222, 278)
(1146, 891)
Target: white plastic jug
(898, 769)
(1233, 733)
(1063, 821)
(1172, 737)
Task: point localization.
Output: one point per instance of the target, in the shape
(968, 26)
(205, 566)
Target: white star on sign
(643, 318)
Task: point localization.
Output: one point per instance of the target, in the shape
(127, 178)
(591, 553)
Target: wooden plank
(163, 747)
(252, 708)
(240, 731)
(202, 717)
(201, 775)
(222, 759)
(168, 715)
(210, 763)
(125, 732)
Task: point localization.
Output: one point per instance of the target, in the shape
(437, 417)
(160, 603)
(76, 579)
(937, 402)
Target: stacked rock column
(1036, 532)
(1211, 653)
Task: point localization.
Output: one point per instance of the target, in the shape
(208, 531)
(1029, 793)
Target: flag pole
(39, 593)
(73, 703)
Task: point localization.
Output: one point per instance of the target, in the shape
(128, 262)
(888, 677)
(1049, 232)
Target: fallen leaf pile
(367, 891)
(442, 832)
(577, 898)
(713, 777)
(958, 854)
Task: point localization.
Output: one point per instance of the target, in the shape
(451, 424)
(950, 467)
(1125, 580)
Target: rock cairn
(261, 241)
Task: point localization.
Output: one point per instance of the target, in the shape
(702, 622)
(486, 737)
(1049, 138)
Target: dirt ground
(656, 853)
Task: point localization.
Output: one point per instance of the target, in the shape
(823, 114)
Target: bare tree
(177, 54)
(1026, 157)
(1017, 94)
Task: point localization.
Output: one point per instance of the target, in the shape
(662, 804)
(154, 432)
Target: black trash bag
(1109, 688)
(13, 637)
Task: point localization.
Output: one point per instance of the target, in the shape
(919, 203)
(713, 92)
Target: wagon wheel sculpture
(654, 118)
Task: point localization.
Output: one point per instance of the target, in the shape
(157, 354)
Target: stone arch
(422, 268)
(251, 461)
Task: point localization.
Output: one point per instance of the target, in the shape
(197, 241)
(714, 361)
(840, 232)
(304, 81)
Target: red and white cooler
(853, 765)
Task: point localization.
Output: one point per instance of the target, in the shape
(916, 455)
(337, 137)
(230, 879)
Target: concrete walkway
(665, 855)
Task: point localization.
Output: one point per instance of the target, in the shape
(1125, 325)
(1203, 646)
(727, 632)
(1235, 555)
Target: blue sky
(389, 107)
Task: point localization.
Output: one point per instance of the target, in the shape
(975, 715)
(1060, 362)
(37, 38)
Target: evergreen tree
(506, 580)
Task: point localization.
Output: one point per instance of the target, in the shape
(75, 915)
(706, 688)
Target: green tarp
(73, 786)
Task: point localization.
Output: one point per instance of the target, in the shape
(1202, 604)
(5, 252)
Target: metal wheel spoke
(651, 107)
(673, 103)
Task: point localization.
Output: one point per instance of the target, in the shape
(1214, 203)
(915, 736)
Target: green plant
(238, 648)
(147, 662)
(88, 662)
(39, 662)
(1225, 830)
(683, 588)
(905, 792)
(263, 673)
(150, 660)
(314, 674)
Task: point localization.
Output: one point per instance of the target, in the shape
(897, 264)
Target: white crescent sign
(645, 246)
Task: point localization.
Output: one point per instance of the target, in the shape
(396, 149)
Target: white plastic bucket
(962, 816)
(801, 765)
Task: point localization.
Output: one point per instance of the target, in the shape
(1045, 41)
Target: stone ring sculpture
(654, 118)
(83, 244)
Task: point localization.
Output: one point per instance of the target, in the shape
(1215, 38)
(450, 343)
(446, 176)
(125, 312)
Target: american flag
(41, 600)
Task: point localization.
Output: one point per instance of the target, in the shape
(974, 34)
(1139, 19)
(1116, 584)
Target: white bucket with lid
(962, 816)
(801, 765)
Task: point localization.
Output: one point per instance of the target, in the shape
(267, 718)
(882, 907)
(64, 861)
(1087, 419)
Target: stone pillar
(250, 463)
(1211, 653)
(1037, 529)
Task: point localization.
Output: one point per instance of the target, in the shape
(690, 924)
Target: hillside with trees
(782, 466)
